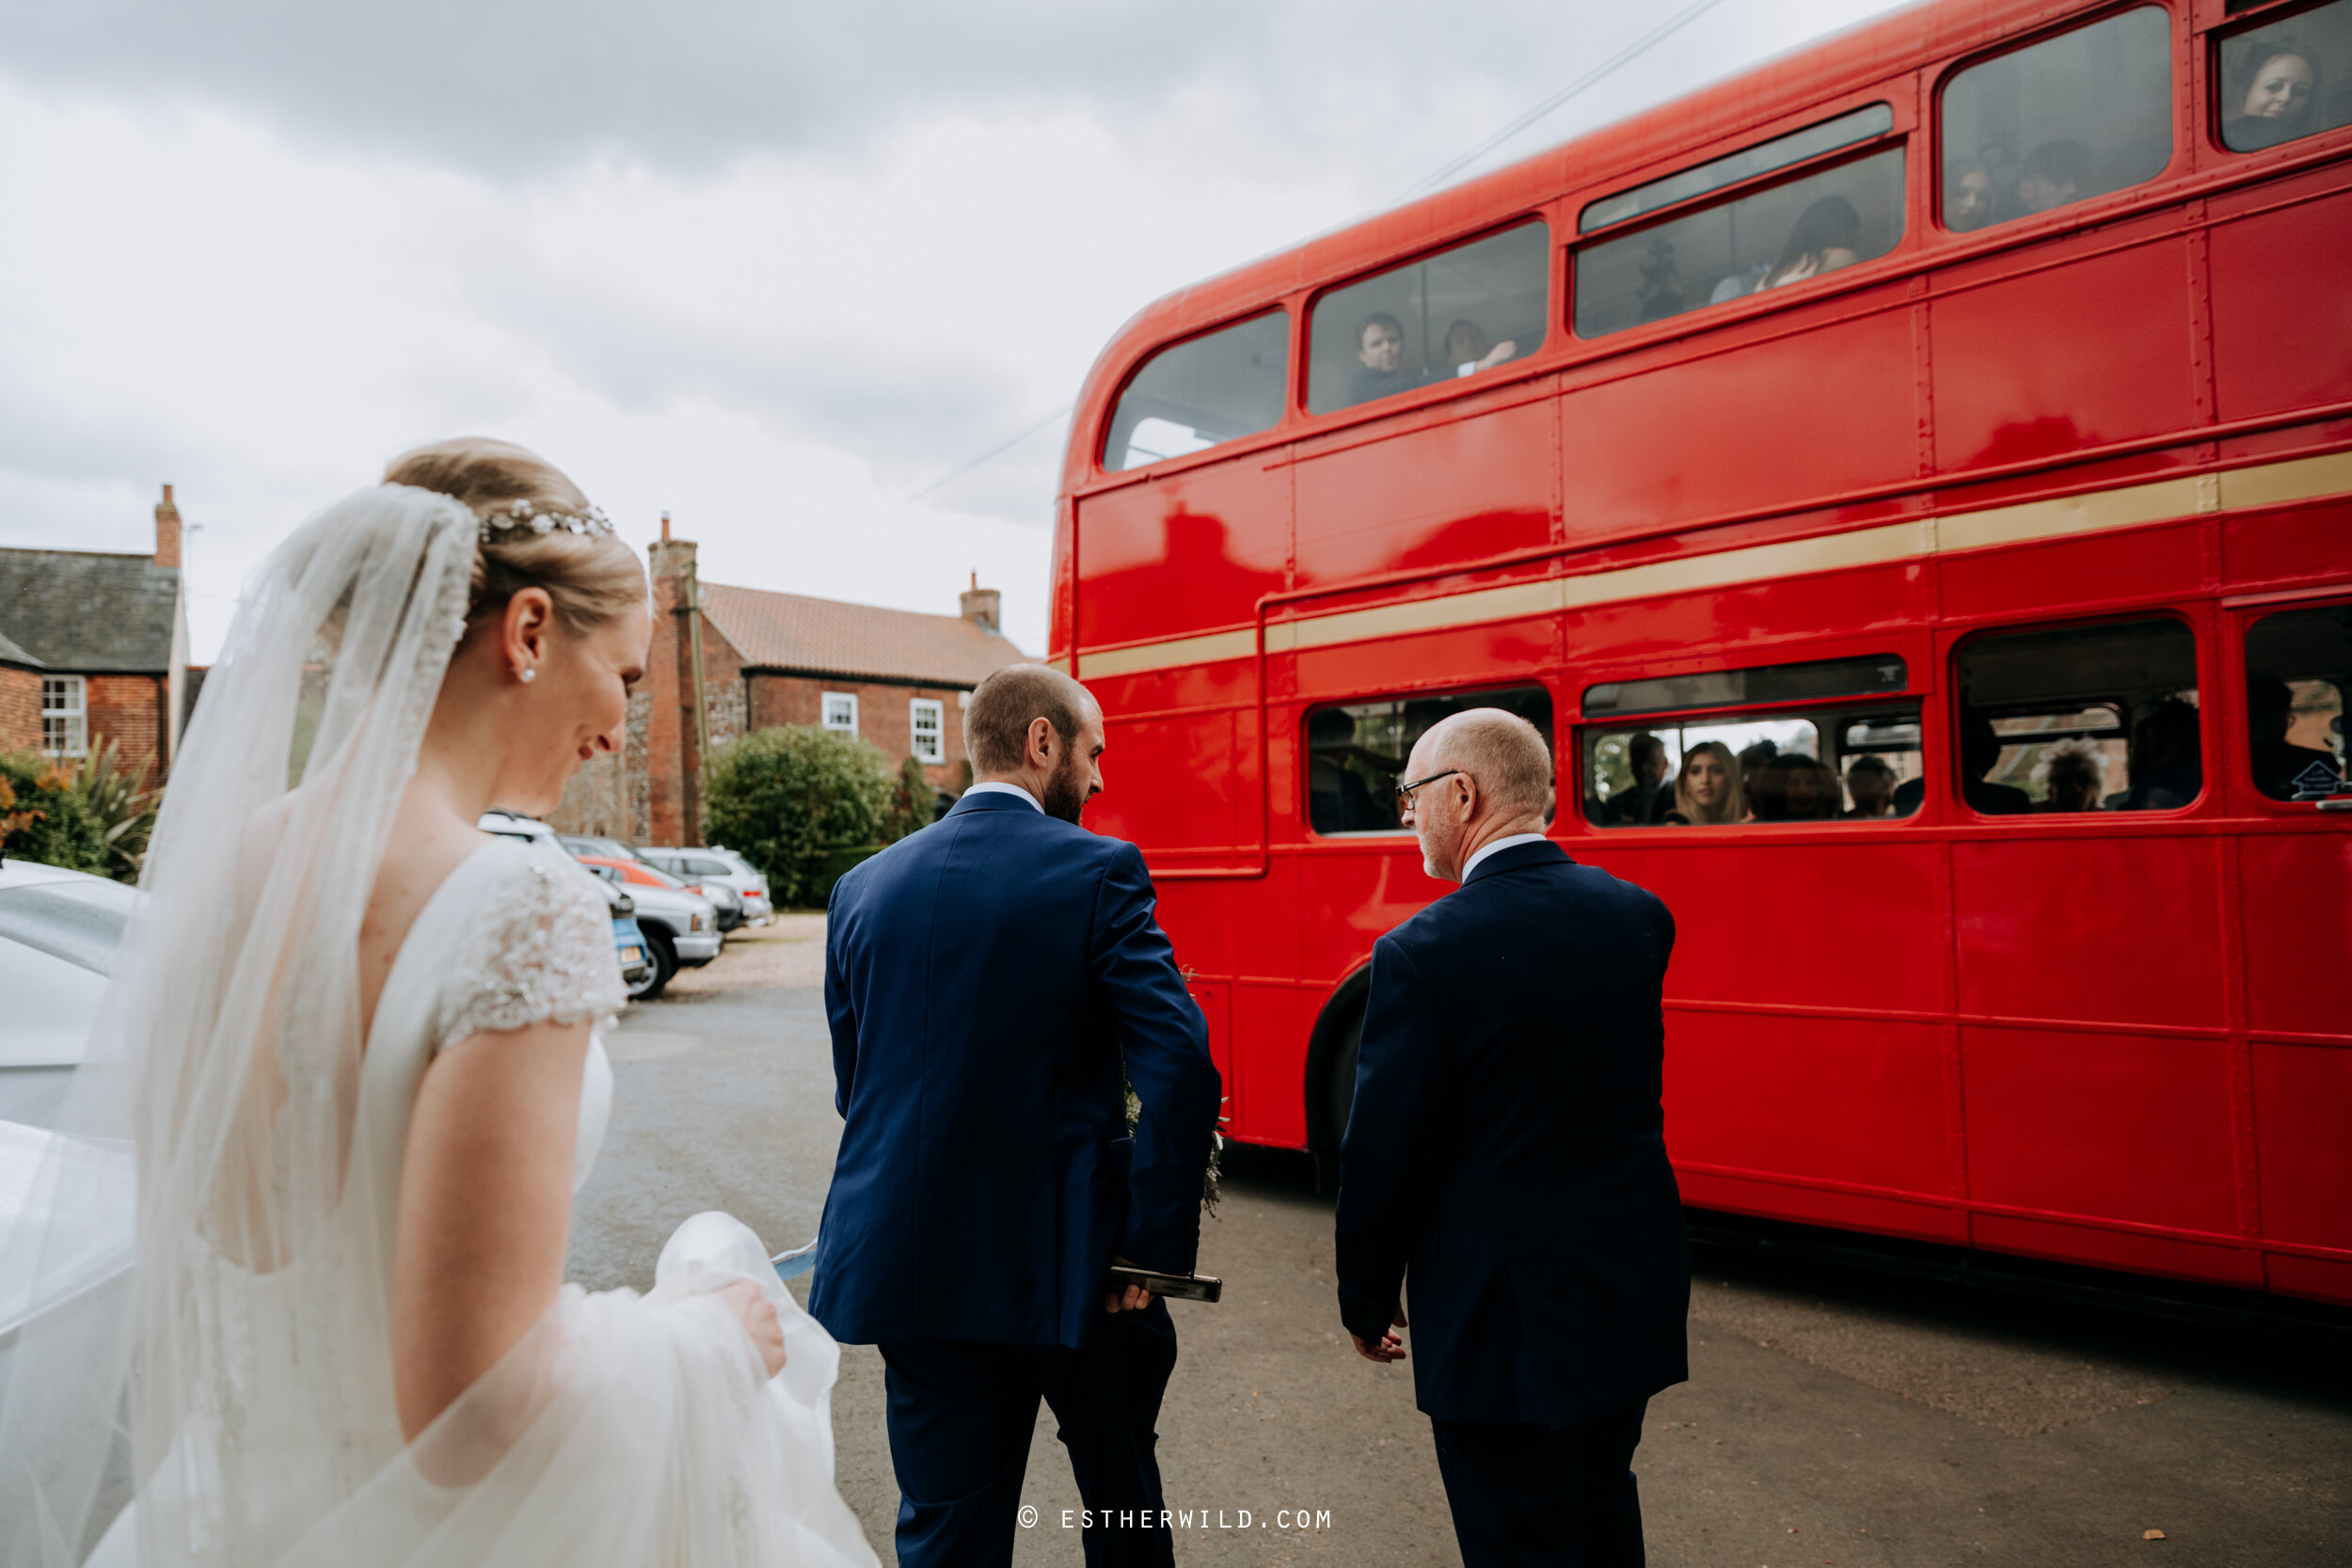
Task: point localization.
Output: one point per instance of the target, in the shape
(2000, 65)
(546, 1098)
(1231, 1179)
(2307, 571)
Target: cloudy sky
(777, 268)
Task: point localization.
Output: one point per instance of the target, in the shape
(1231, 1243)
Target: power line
(995, 452)
(1622, 57)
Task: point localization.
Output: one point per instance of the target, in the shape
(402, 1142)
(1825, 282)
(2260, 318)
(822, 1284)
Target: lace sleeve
(542, 952)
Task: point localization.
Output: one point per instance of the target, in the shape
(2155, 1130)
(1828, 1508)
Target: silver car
(724, 896)
(717, 869)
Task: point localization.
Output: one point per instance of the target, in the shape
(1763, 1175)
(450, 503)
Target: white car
(59, 933)
(717, 869)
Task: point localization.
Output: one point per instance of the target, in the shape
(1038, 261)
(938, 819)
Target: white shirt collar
(995, 788)
(1472, 864)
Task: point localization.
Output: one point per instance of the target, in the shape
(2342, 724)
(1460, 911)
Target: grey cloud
(518, 88)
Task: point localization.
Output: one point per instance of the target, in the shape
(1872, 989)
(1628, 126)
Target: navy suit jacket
(984, 979)
(1507, 1147)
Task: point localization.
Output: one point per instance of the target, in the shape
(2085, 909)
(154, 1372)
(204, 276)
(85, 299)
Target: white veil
(238, 1380)
(225, 1061)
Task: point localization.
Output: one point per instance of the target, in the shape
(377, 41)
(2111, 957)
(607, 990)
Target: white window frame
(931, 750)
(69, 713)
(843, 718)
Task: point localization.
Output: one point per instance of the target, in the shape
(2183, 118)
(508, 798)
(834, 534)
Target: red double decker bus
(1911, 485)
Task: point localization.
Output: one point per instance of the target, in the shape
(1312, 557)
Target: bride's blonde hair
(591, 577)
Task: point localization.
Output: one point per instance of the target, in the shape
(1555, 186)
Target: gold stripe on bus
(2094, 512)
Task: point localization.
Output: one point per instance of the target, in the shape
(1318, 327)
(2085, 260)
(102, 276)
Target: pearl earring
(527, 676)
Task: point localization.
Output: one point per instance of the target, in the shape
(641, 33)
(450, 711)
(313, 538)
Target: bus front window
(1196, 394)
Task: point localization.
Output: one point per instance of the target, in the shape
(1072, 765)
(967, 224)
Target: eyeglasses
(1404, 791)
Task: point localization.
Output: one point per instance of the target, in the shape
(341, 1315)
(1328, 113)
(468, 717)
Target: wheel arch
(1344, 1003)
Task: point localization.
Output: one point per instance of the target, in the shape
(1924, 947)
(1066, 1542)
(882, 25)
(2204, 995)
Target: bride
(348, 1066)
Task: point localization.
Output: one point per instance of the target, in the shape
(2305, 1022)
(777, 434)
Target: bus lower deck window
(1356, 752)
(2298, 666)
(1725, 769)
(2080, 719)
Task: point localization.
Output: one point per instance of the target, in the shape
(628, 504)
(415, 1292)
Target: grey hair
(1504, 756)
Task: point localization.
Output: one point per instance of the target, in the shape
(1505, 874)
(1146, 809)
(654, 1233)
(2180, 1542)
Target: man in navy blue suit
(985, 979)
(1506, 1153)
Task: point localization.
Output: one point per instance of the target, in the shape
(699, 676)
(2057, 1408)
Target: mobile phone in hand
(1179, 1287)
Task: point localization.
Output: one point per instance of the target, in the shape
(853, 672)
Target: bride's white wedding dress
(235, 1382)
(624, 1430)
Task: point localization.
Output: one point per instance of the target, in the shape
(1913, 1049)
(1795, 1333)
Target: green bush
(43, 818)
(788, 799)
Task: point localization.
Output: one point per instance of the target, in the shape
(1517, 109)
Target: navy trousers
(1538, 1496)
(960, 1417)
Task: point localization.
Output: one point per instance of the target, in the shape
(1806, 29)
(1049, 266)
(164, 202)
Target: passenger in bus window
(2053, 175)
(1707, 788)
(1979, 751)
(2282, 770)
(2073, 774)
(1380, 350)
(1825, 237)
(1338, 800)
(1969, 202)
(1648, 799)
(2276, 104)
(1467, 351)
(1871, 779)
(1792, 787)
(2167, 772)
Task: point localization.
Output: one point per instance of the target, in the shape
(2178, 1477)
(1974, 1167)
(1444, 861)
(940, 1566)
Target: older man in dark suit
(1506, 1151)
(985, 979)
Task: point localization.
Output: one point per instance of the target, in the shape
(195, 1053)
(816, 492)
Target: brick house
(95, 648)
(898, 678)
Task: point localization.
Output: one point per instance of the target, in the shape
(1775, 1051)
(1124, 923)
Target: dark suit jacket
(1507, 1147)
(984, 978)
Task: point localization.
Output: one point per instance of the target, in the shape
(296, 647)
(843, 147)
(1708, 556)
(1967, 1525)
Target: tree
(44, 818)
(795, 800)
(912, 801)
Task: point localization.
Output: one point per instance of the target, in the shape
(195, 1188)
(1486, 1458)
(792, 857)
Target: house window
(64, 716)
(927, 723)
(840, 711)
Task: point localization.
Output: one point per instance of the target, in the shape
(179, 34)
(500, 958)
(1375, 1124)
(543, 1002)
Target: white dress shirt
(1472, 864)
(1015, 789)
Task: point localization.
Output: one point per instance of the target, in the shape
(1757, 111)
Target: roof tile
(793, 631)
(85, 612)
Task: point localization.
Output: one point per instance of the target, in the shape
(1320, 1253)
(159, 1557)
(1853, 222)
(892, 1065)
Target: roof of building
(12, 653)
(792, 631)
(85, 613)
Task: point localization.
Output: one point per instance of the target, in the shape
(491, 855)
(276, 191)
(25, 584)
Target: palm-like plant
(125, 807)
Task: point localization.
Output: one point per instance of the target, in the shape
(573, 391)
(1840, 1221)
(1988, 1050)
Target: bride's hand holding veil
(351, 1043)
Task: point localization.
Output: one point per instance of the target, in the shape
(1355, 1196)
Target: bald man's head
(1505, 753)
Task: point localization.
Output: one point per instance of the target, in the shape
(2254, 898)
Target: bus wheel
(1338, 1098)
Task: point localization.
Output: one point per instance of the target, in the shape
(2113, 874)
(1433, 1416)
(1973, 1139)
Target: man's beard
(1066, 791)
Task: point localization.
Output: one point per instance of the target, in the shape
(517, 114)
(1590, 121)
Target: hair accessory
(521, 514)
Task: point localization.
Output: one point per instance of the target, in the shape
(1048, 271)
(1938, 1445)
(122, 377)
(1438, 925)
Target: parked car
(681, 928)
(59, 933)
(639, 971)
(725, 897)
(716, 868)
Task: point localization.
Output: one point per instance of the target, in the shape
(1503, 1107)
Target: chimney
(985, 606)
(665, 528)
(167, 531)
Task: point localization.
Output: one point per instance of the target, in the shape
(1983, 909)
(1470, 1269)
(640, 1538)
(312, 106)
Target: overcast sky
(776, 268)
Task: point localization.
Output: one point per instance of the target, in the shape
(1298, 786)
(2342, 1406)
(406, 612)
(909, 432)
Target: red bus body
(2117, 1039)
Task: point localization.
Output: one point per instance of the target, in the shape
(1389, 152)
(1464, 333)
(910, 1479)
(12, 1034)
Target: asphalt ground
(1834, 1415)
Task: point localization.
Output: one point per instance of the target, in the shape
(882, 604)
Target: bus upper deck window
(1450, 315)
(1191, 396)
(2080, 719)
(1768, 239)
(1356, 752)
(2286, 79)
(2060, 122)
(2298, 666)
